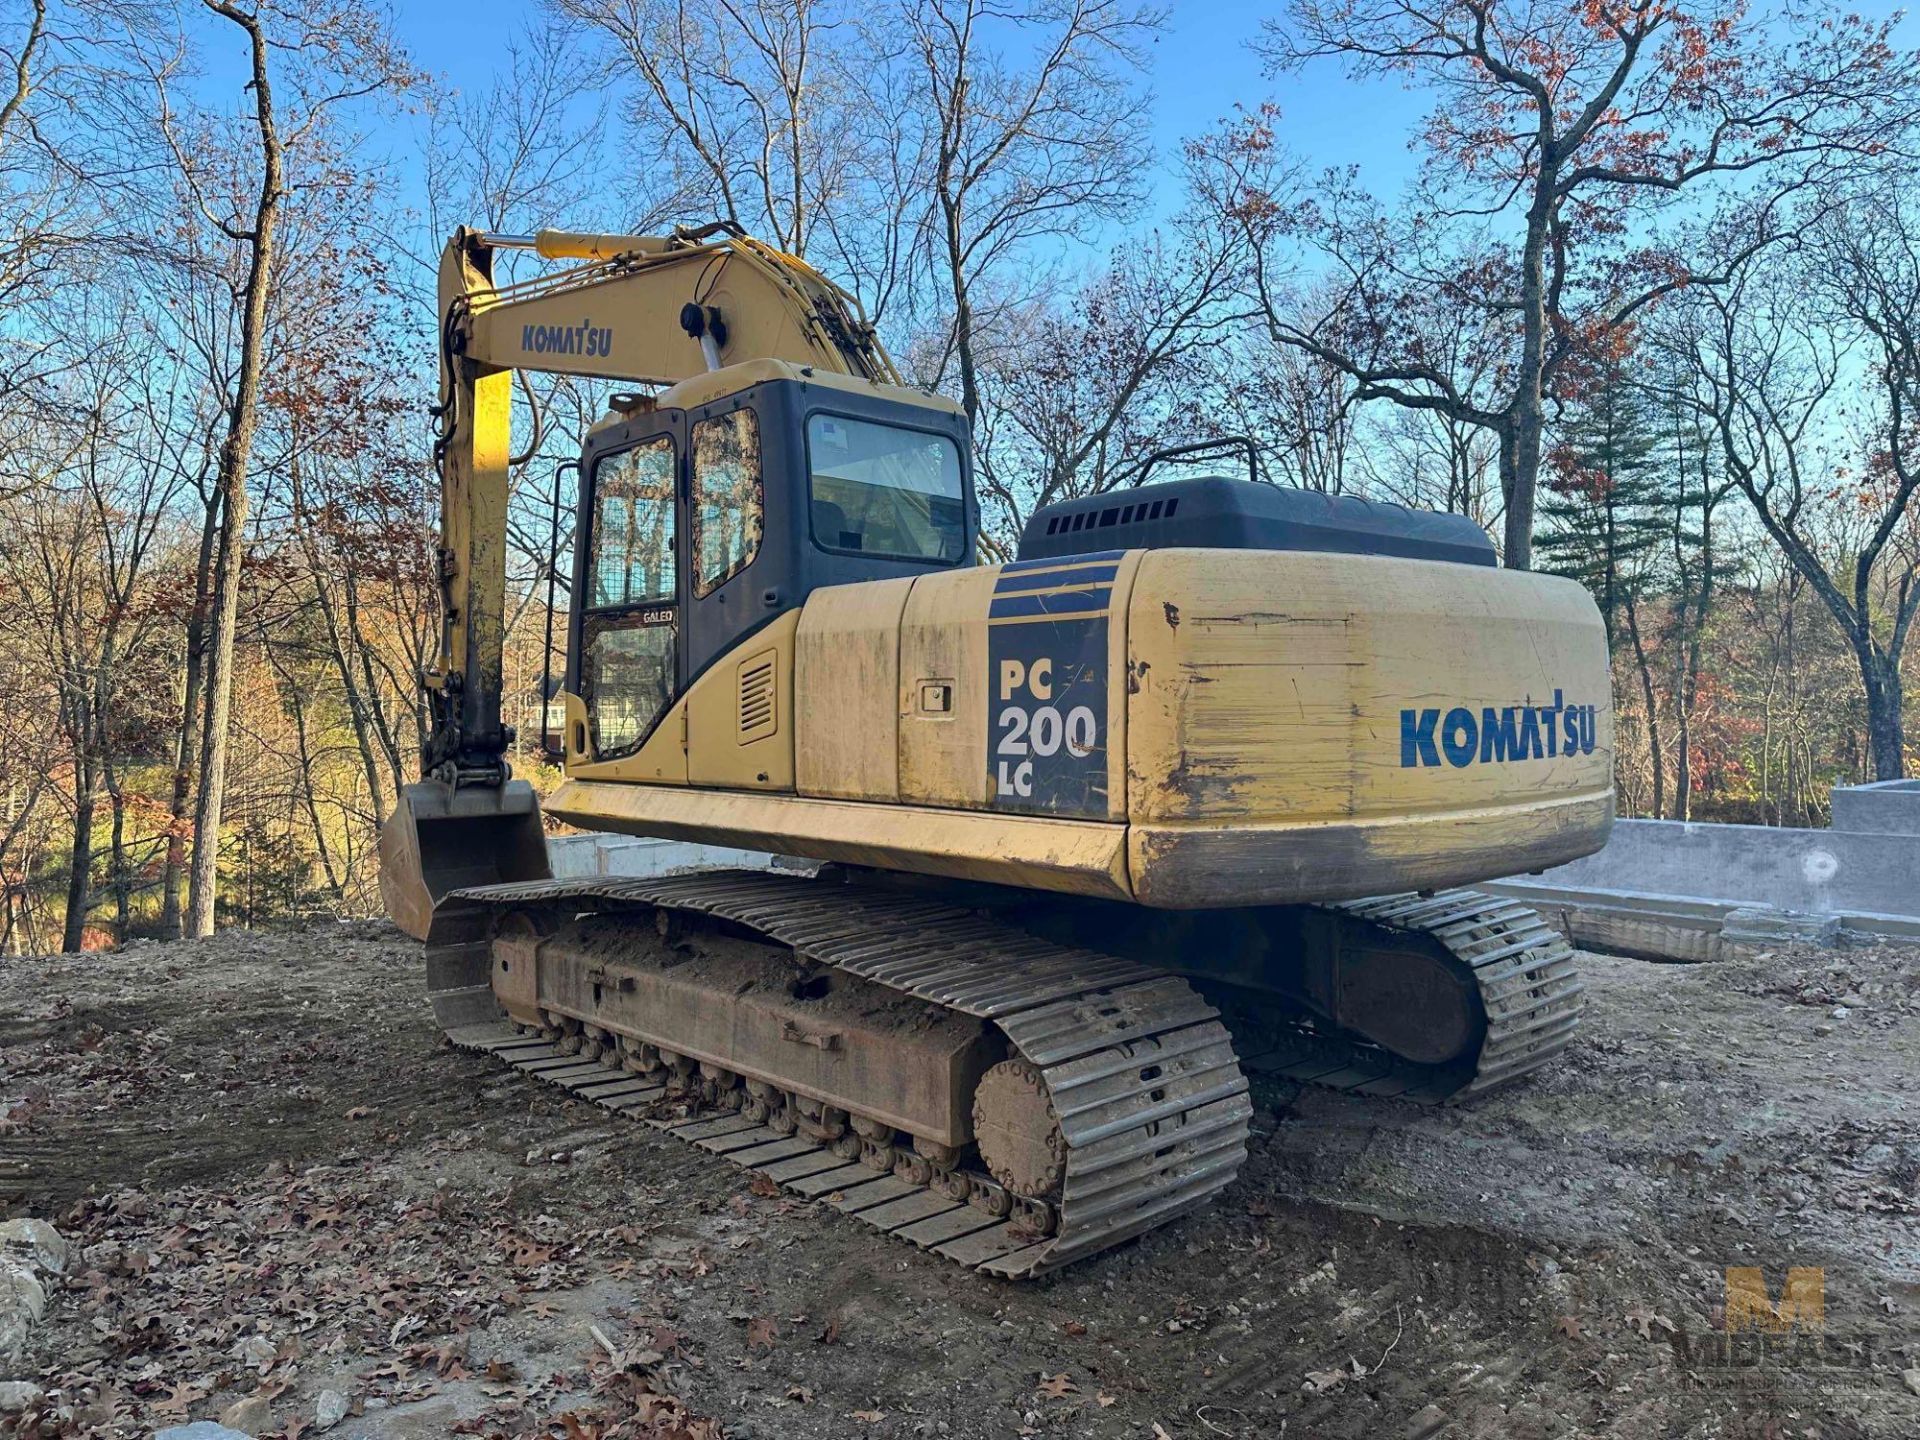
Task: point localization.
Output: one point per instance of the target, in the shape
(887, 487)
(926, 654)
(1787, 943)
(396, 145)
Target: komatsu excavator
(1094, 829)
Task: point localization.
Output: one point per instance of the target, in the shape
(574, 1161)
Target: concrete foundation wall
(1680, 891)
(578, 856)
(1823, 872)
(1891, 807)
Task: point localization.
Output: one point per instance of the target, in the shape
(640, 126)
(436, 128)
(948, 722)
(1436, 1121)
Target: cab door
(627, 660)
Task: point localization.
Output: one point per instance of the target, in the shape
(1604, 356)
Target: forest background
(1634, 285)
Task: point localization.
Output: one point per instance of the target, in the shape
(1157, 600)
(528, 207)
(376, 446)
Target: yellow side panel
(944, 660)
(661, 761)
(1078, 857)
(1272, 686)
(1317, 726)
(943, 689)
(846, 691)
(740, 721)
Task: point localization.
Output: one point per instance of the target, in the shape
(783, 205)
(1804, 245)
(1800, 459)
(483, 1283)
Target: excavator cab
(710, 512)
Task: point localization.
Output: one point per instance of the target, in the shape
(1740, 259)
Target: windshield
(886, 491)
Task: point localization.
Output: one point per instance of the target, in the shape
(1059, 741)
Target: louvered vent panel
(758, 716)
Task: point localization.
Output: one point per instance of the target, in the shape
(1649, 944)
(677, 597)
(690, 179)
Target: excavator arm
(643, 309)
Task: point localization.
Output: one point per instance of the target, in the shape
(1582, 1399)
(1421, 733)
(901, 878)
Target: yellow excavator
(1184, 790)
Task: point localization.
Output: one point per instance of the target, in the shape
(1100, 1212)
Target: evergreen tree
(1607, 512)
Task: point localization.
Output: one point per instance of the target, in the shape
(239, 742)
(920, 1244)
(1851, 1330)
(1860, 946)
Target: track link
(1528, 988)
(1140, 1072)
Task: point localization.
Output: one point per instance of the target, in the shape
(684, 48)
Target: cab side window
(728, 498)
(630, 624)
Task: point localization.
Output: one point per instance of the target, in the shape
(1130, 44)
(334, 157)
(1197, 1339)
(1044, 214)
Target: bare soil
(278, 1179)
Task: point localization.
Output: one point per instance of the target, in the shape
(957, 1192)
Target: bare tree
(1018, 151)
(746, 95)
(1832, 481)
(1080, 387)
(331, 56)
(1558, 129)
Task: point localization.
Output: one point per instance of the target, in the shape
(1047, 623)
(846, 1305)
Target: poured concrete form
(1681, 890)
(1888, 807)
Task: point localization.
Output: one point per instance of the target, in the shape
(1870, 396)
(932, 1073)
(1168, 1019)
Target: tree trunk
(79, 872)
(1886, 732)
(1653, 709)
(235, 453)
(1520, 447)
(962, 314)
(192, 728)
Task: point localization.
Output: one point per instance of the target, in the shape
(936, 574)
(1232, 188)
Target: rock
(18, 1287)
(251, 1416)
(22, 1303)
(257, 1351)
(36, 1240)
(1912, 1377)
(329, 1409)
(200, 1430)
(18, 1395)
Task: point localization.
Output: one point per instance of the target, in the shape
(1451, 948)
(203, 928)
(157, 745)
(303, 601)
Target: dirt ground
(278, 1181)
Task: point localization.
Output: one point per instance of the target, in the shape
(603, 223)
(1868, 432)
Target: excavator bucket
(440, 839)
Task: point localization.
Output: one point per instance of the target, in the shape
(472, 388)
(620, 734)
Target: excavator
(1187, 790)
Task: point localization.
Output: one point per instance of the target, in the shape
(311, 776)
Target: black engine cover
(1217, 513)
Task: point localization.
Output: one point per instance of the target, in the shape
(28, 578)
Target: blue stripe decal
(1059, 560)
(1091, 601)
(1092, 575)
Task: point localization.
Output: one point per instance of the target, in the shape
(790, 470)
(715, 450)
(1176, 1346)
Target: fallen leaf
(800, 1393)
(870, 1417)
(1569, 1326)
(1643, 1320)
(359, 1112)
(1103, 1400)
(830, 1334)
(1318, 1382)
(1057, 1387)
(761, 1333)
(1074, 1328)
(761, 1185)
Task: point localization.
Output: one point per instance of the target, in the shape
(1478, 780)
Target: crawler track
(1528, 988)
(1152, 1107)
(1138, 1066)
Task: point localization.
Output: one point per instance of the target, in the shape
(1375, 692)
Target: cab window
(630, 624)
(633, 526)
(727, 498)
(885, 490)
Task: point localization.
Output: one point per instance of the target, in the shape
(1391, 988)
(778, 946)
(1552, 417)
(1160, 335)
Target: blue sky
(1201, 66)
